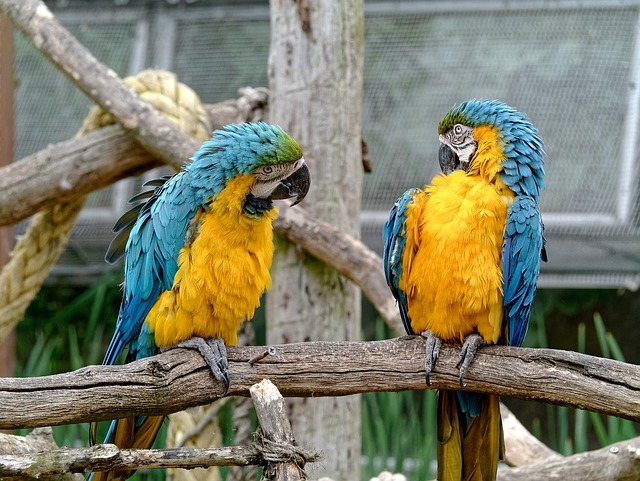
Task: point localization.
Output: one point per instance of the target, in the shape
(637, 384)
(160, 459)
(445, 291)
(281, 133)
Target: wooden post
(315, 79)
(8, 344)
(275, 438)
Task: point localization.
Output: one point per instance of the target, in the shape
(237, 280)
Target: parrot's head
(489, 138)
(265, 152)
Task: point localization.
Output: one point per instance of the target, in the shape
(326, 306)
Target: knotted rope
(39, 248)
(274, 452)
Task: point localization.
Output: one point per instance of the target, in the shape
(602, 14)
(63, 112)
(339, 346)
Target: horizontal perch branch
(109, 456)
(178, 379)
(274, 448)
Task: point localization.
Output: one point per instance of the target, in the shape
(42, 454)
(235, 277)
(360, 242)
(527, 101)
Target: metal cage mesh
(573, 70)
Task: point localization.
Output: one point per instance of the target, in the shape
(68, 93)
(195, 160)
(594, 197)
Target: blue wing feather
(522, 250)
(394, 237)
(155, 239)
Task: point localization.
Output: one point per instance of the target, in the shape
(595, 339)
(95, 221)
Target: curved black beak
(294, 187)
(448, 159)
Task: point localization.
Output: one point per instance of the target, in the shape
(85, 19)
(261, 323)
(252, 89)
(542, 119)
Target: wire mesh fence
(574, 69)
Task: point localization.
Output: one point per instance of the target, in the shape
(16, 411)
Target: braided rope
(47, 234)
(274, 452)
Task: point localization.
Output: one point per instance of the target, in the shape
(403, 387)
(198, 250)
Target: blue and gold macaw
(462, 257)
(198, 253)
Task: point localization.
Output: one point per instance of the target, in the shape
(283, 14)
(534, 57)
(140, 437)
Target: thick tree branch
(149, 127)
(67, 170)
(618, 462)
(179, 379)
(349, 256)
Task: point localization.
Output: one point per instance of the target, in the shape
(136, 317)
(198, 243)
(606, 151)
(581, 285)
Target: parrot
(462, 257)
(198, 249)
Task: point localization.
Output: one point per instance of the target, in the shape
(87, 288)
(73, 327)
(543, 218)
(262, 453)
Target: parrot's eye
(267, 170)
(457, 129)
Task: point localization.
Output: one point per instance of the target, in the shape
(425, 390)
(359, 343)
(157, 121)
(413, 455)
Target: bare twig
(179, 379)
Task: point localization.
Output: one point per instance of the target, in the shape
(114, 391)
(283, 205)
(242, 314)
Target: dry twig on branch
(179, 379)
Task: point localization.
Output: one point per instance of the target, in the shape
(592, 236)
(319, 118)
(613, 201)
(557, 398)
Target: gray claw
(432, 348)
(214, 353)
(471, 344)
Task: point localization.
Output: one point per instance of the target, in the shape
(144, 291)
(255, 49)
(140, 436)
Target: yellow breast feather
(221, 275)
(452, 259)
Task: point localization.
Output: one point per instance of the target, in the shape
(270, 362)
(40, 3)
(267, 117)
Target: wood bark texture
(178, 379)
(102, 457)
(70, 169)
(276, 435)
(617, 462)
(315, 80)
(16, 453)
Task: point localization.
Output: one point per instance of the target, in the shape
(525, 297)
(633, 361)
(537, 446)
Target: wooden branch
(522, 447)
(286, 460)
(346, 254)
(73, 168)
(64, 171)
(620, 461)
(274, 449)
(15, 451)
(103, 457)
(179, 379)
(149, 127)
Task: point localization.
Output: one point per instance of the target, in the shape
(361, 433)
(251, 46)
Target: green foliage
(399, 433)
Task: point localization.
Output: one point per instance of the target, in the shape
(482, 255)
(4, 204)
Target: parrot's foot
(214, 353)
(432, 350)
(469, 348)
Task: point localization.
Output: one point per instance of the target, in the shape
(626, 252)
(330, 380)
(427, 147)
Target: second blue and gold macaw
(462, 257)
(198, 253)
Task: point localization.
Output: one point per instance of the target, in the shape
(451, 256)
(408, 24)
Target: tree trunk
(315, 78)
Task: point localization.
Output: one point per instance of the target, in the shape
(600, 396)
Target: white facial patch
(268, 177)
(460, 139)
